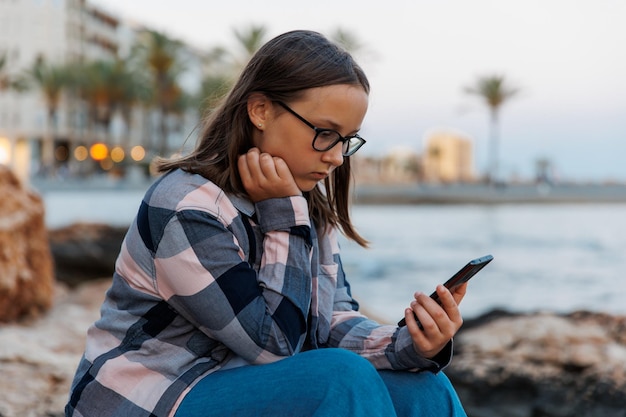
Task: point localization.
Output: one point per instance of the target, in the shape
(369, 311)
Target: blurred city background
(525, 92)
(480, 104)
(494, 127)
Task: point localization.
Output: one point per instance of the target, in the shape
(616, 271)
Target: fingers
(432, 316)
(244, 169)
(427, 340)
(264, 176)
(258, 167)
(450, 306)
(439, 322)
(459, 293)
(281, 168)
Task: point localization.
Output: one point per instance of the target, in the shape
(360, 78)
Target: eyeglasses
(326, 139)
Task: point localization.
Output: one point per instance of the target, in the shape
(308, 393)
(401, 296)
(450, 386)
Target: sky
(567, 57)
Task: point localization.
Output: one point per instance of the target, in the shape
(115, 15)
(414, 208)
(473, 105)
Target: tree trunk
(163, 131)
(494, 139)
(47, 144)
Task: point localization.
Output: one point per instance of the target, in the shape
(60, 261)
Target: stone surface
(26, 266)
(506, 365)
(85, 251)
(542, 365)
(38, 358)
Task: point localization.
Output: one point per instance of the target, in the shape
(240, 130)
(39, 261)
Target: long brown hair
(281, 69)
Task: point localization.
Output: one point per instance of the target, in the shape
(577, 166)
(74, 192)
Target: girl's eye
(328, 135)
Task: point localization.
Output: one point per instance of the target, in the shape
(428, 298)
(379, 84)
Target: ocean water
(546, 257)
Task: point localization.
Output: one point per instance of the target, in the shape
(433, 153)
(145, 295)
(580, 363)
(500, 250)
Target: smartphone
(464, 275)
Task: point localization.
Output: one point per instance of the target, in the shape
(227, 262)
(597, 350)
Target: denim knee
(422, 394)
(316, 383)
(343, 365)
(351, 385)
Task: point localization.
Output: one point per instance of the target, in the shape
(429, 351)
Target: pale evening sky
(568, 57)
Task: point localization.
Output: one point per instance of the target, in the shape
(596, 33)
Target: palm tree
(135, 90)
(51, 80)
(107, 86)
(494, 91)
(250, 39)
(5, 80)
(161, 55)
(221, 66)
(97, 86)
(213, 88)
(347, 40)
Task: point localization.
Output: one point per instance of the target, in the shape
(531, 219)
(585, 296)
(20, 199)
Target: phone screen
(463, 275)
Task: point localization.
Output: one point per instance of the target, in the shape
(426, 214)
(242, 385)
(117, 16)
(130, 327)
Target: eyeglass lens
(327, 139)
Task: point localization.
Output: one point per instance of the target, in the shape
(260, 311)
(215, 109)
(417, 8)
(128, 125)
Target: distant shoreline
(522, 193)
(488, 194)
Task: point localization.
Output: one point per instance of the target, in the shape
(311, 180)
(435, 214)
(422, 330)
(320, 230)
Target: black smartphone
(464, 275)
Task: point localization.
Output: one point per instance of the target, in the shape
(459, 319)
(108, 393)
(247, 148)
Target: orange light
(117, 154)
(137, 153)
(99, 151)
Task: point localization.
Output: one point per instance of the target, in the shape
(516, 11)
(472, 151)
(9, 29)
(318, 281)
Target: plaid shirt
(204, 278)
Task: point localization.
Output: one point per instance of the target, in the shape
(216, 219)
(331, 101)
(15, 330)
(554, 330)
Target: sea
(547, 257)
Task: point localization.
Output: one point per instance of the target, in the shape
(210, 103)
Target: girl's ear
(259, 107)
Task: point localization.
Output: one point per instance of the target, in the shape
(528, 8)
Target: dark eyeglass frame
(348, 144)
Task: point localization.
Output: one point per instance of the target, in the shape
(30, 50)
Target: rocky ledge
(85, 251)
(506, 364)
(38, 357)
(542, 365)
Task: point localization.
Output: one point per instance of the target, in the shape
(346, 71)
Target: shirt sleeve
(385, 346)
(201, 271)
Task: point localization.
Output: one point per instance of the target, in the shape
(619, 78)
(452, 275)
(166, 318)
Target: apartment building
(56, 32)
(447, 157)
(60, 32)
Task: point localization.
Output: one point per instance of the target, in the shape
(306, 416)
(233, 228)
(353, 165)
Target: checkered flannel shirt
(204, 279)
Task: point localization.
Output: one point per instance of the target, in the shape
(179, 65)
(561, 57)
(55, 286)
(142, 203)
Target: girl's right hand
(440, 322)
(265, 176)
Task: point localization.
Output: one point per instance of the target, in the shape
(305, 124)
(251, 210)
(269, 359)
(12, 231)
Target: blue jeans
(324, 382)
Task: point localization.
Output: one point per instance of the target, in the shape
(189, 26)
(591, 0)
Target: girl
(229, 298)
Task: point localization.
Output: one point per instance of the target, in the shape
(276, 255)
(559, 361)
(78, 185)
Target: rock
(85, 251)
(38, 358)
(542, 365)
(26, 269)
(505, 365)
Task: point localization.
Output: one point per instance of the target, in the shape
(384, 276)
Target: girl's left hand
(265, 176)
(440, 322)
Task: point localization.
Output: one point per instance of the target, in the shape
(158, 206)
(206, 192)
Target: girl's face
(339, 107)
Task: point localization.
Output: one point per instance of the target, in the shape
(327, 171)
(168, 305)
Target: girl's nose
(334, 155)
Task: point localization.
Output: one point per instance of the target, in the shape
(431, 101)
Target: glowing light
(61, 153)
(99, 151)
(81, 153)
(106, 164)
(117, 154)
(5, 151)
(137, 153)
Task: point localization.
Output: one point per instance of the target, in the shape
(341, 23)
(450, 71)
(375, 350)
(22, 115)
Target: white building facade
(60, 32)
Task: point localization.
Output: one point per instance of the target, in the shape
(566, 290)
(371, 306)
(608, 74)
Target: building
(37, 141)
(400, 165)
(447, 157)
(54, 31)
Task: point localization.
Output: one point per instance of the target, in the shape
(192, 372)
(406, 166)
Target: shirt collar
(242, 204)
